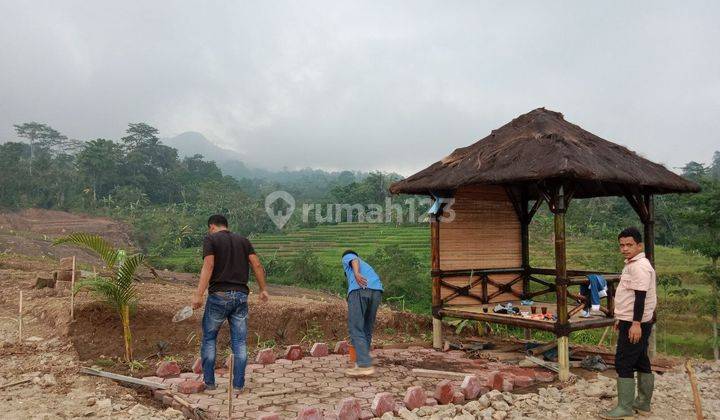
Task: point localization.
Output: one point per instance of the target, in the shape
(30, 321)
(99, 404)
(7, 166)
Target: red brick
(342, 347)
(349, 409)
(265, 356)
(293, 352)
(166, 369)
(197, 366)
(191, 387)
(543, 376)
(471, 387)
(444, 392)
(507, 385)
(269, 416)
(189, 375)
(495, 381)
(414, 397)
(319, 350)
(309, 413)
(384, 402)
(431, 402)
(458, 398)
(522, 381)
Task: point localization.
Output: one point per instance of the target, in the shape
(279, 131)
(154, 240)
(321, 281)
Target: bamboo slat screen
(485, 233)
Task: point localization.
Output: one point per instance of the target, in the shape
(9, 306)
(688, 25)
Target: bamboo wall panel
(485, 232)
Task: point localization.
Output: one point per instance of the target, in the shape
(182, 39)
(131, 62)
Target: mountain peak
(192, 143)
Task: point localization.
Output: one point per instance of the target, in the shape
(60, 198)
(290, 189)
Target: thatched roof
(542, 146)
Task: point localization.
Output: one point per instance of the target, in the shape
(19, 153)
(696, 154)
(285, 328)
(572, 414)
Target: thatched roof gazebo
(489, 192)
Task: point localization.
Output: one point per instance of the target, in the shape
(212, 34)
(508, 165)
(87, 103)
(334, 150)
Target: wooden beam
(123, 378)
(591, 323)
(561, 283)
(649, 245)
(435, 265)
(570, 272)
(534, 209)
(466, 272)
(525, 242)
(649, 231)
(501, 319)
(564, 358)
(440, 374)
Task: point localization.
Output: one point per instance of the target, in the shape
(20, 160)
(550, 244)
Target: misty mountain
(193, 143)
(233, 163)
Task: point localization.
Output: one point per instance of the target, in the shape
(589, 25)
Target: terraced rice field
(330, 241)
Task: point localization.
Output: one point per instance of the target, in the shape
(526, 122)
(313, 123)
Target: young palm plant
(117, 289)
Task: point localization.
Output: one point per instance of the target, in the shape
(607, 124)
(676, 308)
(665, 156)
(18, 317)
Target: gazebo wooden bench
(486, 195)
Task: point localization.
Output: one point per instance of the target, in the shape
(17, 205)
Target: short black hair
(350, 251)
(218, 220)
(631, 232)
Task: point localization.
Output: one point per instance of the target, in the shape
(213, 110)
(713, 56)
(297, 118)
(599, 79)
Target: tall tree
(40, 136)
(715, 168)
(100, 162)
(140, 135)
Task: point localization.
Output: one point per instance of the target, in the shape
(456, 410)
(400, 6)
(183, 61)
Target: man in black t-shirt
(227, 258)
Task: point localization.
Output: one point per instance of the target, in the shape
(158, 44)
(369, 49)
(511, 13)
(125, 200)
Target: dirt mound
(96, 332)
(52, 223)
(30, 233)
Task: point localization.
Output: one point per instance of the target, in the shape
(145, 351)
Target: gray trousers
(362, 308)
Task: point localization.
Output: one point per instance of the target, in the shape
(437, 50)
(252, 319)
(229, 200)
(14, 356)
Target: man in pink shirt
(635, 301)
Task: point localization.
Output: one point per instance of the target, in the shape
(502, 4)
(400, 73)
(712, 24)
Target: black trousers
(632, 357)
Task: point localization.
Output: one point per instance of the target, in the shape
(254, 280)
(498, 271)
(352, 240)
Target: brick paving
(320, 382)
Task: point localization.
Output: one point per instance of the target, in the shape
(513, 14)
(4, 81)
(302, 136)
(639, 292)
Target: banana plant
(117, 289)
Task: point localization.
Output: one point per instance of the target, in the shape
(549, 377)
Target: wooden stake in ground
(604, 334)
(231, 367)
(72, 291)
(564, 358)
(696, 393)
(20, 320)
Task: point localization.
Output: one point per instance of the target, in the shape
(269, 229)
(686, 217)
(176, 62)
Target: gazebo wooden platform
(486, 196)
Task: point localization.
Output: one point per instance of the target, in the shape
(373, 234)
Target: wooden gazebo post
(562, 326)
(649, 236)
(435, 268)
(525, 248)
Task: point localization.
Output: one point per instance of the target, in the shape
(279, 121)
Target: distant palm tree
(118, 288)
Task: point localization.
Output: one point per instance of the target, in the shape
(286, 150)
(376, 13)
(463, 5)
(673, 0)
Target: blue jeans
(592, 291)
(362, 308)
(220, 306)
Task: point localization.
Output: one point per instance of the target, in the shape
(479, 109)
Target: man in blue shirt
(364, 297)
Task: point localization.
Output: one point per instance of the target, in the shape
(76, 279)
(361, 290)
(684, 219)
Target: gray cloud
(365, 85)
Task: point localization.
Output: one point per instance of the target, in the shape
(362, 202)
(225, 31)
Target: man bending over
(364, 296)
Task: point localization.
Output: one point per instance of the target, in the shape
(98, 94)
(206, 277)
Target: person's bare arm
(259, 272)
(361, 280)
(205, 274)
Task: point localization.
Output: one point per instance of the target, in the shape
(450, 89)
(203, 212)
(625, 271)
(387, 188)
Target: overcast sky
(391, 85)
